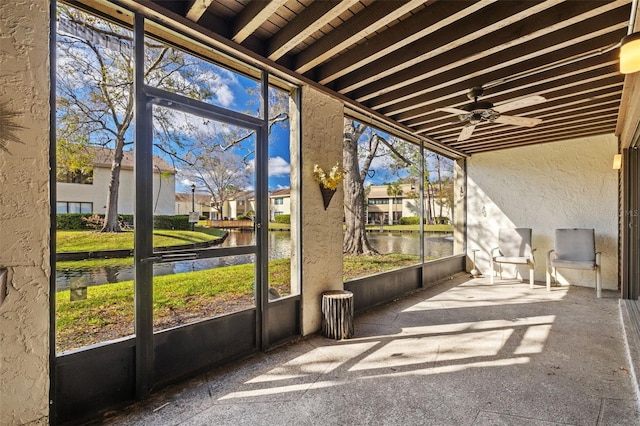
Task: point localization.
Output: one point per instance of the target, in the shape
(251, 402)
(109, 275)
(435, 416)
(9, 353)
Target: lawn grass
(70, 241)
(108, 311)
(410, 228)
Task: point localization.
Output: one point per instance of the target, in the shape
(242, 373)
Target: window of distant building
(63, 207)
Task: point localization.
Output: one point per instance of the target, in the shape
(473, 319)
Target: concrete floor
(461, 353)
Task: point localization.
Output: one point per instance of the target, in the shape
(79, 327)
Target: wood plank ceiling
(407, 59)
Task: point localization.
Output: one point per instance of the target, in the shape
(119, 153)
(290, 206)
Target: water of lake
(436, 245)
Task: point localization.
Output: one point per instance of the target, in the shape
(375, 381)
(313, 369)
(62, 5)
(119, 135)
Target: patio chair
(514, 247)
(574, 249)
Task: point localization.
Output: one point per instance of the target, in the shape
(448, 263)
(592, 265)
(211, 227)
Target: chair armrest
(598, 256)
(532, 254)
(549, 256)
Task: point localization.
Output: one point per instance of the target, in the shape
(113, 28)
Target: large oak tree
(95, 94)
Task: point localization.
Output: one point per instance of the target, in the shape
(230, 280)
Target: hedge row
(282, 218)
(415, 220)
(82, 221)
(409, 220)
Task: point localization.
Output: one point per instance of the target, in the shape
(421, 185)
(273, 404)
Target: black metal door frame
(146, 97)
(145, 257)
(630, 221)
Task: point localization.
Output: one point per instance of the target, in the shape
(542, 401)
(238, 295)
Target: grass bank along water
(186, 294)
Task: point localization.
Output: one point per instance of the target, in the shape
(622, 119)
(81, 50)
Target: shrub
(80, 221)
(172, 222)
(409, 220)
(72, 221)
(283, 218)
(243, 217)
(442, 220)
(95, 221)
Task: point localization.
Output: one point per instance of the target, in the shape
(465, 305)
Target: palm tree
(394, 190)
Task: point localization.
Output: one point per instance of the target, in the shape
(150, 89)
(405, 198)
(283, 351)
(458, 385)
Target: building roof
(104, 156)
(283, 192)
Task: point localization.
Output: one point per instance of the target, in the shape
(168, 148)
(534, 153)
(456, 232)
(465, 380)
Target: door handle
(178, 256)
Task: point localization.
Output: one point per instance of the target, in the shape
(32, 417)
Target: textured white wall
(24, 214)
(163, 192)
(569, 184)
(322, 124)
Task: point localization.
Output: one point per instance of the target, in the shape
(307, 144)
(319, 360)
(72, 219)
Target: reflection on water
(436, 245)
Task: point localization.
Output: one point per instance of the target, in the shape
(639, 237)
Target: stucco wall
(96, 193)
(321, 257)
(24, 214)
(569, 184)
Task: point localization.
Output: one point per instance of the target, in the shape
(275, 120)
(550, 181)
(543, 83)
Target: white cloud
(278, 166)
(224, 95)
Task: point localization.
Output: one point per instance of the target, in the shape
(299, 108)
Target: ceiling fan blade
(451, 110)
(519, 103)
(466, 132)
(517, 121)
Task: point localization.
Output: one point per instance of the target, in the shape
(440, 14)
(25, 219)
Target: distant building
(279, 203)
(240, 204)
(388, 208)
(87, 193)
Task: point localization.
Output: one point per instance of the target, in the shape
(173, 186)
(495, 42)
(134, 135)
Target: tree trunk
(440, 189)
(111, 223)
(355, 236)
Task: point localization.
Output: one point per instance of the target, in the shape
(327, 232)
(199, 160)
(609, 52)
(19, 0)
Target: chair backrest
(575, 244)
(515, 242)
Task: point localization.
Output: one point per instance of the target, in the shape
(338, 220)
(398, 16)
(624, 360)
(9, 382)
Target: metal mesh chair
(514, 247)
(574, 249)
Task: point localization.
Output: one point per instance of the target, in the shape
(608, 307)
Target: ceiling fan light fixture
(630, 54)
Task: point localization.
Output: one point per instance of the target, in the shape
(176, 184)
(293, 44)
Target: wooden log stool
(337, 314)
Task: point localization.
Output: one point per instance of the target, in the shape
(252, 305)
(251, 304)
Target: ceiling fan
(479, 112)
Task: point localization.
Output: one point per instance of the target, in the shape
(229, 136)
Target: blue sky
(239, 93)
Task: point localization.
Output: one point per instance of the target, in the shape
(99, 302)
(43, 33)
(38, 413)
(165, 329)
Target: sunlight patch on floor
(316, 361)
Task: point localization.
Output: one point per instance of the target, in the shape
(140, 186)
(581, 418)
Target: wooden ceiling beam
(601, 100)
(463, 33)
(561, 117)
(596, 131)
(508, 133)
(477, 73)
(560, 123)
(556, 99)
(368, 21)
(252, 17)
(554, 80)
(471, 62)
(197, 9)
(418, 26)
(313, 18)
(591, 129)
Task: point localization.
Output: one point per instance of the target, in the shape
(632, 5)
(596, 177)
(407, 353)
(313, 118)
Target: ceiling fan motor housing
(479, 111)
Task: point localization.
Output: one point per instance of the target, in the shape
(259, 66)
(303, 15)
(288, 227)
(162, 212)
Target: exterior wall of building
(96, 193)
(278, 209)
(322, 128)
(24, 214)
(239, 207)
(569, 184)
(403, 205)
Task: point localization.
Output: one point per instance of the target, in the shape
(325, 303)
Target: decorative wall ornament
(328, 182)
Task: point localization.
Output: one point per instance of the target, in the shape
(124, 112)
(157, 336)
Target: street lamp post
(193, 204)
